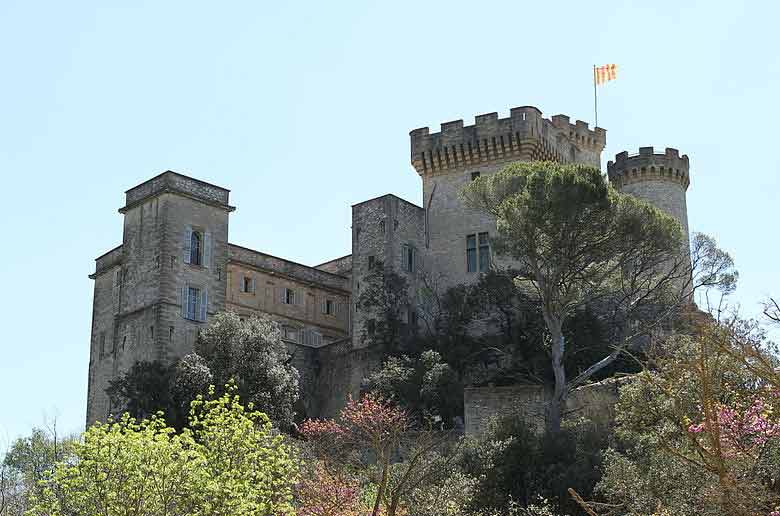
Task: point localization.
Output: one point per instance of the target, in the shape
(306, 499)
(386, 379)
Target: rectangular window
(196, 248)
(193, 303)
(409, 258)
(247, 284)
(371, 326)
(102, 344)
(329, 307)
(484, 252)
(371, 262)
(471, 253)
(289, 296)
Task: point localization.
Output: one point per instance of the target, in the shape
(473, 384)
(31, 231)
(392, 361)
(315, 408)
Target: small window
(371, 262)
(151, 332)
(329, 307)
(102, 344)
(409, 256)
(124, 342)
(196, 248)
(247, 284)
(484, 252)
(382, 227)
(170, 334)
(474, 175)
(371, 326)
(193, 303)
(471, 253)
(289, 296)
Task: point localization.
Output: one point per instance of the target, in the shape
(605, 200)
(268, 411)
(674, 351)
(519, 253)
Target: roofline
(333, 260)
(180, 175)
(387, 195)
(290, 261)
(108, 252)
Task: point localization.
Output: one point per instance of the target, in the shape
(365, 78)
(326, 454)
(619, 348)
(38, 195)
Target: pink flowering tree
(328, 493)
(375, 437)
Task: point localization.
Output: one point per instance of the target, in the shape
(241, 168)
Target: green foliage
(664, 458)
(249, 353)
(425, 386)
(28, 462)
(513, 463)
(228, 462)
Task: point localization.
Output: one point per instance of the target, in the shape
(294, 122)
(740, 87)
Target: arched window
(196, 248)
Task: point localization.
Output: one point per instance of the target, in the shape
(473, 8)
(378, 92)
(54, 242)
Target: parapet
(170, 181)
(524, 135)
(649, 166)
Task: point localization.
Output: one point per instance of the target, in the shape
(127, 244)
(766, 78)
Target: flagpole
(595, 98)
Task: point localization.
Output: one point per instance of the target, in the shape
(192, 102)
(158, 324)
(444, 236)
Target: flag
(602, 74)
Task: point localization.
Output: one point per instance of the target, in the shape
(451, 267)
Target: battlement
(173, 182)
(649, 166)
(524, 135)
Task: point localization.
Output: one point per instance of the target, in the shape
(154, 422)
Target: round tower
(660, 179)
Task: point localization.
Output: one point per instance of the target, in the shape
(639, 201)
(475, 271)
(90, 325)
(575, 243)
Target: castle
(175, 267)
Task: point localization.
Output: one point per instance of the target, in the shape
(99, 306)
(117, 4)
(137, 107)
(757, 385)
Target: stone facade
(151, 299)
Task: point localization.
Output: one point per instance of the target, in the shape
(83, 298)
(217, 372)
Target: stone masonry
(151, 298)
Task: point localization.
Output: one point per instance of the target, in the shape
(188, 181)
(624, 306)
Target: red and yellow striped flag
(602, 74)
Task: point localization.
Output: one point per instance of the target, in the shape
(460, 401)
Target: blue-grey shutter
(207, 250)
(253, 285)
(183, 295)
(204, 303)
(187, 244)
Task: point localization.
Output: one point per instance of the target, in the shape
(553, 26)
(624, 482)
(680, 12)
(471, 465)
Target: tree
(251, 354)
(426, 387)
(228, 462)
(401, 461)
(577, 243)
(28, 462)
(383, 298)
(697, 433)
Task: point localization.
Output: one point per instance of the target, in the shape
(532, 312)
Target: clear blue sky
(303, 108)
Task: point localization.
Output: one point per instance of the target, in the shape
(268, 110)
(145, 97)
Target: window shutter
(253, 285)
(207, 250)
(204, 303)
(183, 297)
(324, 305)
(187, 244)
(300, 297)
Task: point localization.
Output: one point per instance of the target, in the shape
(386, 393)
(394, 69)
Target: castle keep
(175, 267)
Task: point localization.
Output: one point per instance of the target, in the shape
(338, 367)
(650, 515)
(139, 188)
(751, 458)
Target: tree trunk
(555, 408)
(382, 486)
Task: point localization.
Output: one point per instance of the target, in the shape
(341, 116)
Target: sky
(304, 108)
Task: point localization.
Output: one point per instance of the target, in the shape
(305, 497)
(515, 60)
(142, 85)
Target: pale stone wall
(595, 401)
(447, 160)
(380, 229)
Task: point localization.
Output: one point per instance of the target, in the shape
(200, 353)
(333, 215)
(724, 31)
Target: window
(196, 248)
(478, 252)
(382, 227)
(194, 302)
(474, 175)
(102, 344)
(291, 297)
(193, 299)
(151, 332)
(124, 342)
(471, 253)
(312, 338)
(371, 326)
(409, 258)
(329, 307)
(371, 262)
(484, 252)
(170, 334)
(248, 284)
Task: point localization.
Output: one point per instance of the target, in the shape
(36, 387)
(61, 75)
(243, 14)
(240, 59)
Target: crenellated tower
(457, 240)
(660, 179)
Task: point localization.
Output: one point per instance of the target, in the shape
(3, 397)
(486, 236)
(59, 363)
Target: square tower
(155, 290)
